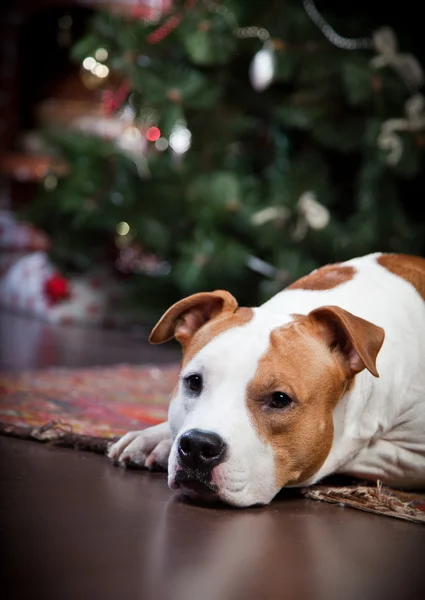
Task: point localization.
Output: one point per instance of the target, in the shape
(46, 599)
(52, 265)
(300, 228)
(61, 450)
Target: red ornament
(170, 24)
(140, 12)
(153, 134)
(56, 288)
(164, 30)
(150, 12)
(113, 100)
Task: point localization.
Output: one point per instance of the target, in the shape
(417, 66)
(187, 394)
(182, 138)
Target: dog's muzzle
(199, 452)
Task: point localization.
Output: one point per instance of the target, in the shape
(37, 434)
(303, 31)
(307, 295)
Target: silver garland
(330, 34)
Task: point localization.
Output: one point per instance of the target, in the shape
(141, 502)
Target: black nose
(201, 449)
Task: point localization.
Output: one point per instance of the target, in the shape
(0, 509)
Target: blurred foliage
(315, 129)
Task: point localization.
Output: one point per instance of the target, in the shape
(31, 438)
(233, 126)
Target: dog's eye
(279, 400)
(194, 383)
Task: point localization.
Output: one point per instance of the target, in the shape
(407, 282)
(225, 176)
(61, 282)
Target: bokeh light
(153, 134)
(89, 63)
(180, 139)
(123, 228)
(101, 54)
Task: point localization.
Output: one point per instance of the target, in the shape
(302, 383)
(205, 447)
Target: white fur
(144, 448)
(227, 365)
(379, 424)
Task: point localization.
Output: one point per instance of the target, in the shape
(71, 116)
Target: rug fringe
(378, 500)
(58, 433)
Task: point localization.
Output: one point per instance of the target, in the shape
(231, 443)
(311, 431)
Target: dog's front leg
(145, 448)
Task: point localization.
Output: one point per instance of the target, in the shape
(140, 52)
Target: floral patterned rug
(100, 402)
(86, 408)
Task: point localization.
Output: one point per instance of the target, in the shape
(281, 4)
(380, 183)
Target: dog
(326, 377)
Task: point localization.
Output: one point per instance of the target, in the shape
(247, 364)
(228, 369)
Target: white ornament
(180, 139)
(406, 65)
(132, 140)
(389, 138)
(271, 213)
(316, 215)
(262, 68)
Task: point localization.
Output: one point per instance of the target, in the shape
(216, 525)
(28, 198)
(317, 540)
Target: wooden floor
(75, 528)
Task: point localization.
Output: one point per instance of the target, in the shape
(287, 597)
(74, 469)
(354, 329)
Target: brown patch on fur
(314, 360)
(411, 268)
(325, 278)
(300, 364)
(357, 341)
(213, 328)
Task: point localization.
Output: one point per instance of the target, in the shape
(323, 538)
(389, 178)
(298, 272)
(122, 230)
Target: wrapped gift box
(31, 284)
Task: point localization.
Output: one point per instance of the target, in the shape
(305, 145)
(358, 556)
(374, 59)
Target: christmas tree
(243, 144)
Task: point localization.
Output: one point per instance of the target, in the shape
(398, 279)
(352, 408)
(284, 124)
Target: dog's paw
(147, 448)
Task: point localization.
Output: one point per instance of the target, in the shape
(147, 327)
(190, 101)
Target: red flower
(56, 288)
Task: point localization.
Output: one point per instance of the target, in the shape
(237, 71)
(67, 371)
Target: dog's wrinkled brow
(266, 385)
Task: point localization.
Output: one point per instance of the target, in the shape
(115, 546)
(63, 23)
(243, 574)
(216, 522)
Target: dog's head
(252, 411)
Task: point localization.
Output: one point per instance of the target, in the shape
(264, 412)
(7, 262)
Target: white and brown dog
(326, 377)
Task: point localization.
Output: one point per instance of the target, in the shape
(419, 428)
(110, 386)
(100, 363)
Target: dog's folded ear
(357, 341)
(184, 318)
